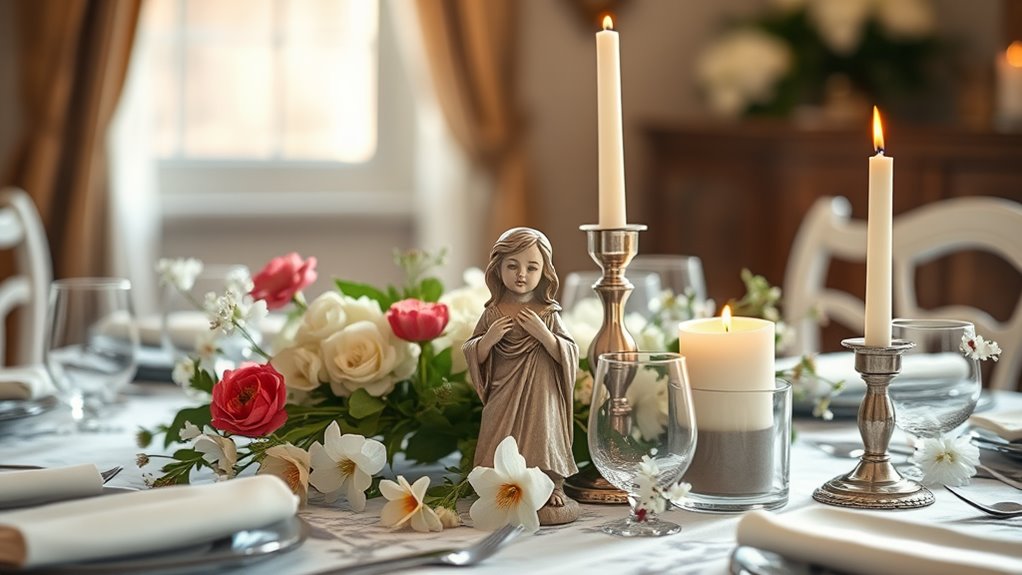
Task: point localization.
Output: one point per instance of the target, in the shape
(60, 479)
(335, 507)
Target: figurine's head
(521, 262)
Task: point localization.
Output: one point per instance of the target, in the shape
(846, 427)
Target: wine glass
(676, 273)
(642, 433)
(939, 385)
(91, 344)
(577, 290)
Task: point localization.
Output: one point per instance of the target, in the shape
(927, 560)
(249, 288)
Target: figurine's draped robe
(525, 393)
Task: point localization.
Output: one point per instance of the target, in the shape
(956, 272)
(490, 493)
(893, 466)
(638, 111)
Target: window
(276, 99)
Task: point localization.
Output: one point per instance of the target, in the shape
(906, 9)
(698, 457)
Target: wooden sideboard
(735, 195)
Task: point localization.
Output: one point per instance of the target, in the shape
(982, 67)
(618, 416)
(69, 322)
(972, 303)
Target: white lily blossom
(946, 461)
(291, 464)
(345, 463)
(219, 451)
(509, 492)
(405, 506)
(179, 273)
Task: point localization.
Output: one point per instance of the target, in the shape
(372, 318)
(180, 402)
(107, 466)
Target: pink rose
(282, 278)
(414, 320)
(249, 401)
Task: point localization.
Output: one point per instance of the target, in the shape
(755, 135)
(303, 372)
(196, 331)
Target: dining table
(338, 536)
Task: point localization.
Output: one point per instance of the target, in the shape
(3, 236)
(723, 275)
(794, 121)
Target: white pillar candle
(878, 243)
(1009, 84)
(739, 357)
(611, 139)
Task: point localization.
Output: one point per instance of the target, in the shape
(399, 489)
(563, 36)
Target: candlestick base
(612, 249)
(875, 483)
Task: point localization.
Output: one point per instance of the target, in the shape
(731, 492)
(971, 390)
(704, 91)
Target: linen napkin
(867, 542)
(1006, 424)
(24, 382)
(34, 486)
(141, 521)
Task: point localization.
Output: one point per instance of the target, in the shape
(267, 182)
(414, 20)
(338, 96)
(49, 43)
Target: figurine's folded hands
(534, 326)
(496, 332)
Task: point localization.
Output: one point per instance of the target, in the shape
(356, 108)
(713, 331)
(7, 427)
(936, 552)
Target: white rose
(840, 22)
(301, 367)
(363, 356)
(741, 68)
(649, 399)
(459, 329)
(648, 337)
(324, 317)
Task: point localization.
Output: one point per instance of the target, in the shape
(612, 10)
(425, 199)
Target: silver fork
(470, 555)
(1001, 509)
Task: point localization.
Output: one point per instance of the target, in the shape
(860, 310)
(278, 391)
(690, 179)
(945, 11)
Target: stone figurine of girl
(523, 363)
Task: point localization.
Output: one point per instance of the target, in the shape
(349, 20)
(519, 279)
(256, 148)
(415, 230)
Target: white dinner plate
(241, 548)
(19, 408)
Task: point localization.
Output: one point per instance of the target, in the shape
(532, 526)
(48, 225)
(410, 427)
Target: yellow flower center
(409, 503)
(293, 478)
(946, 456)
(509, 495)
(346, 467)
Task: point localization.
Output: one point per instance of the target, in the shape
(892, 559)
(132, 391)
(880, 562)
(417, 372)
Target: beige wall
(659, 43)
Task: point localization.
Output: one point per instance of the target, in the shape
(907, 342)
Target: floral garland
(361, 375)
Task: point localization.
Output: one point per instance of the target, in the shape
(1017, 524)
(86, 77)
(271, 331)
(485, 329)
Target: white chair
(935, 230)
(920, 236)
(21, 231)
(826, 232)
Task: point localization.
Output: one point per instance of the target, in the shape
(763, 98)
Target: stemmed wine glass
(91, 344)
(642, 433)
(939, 385)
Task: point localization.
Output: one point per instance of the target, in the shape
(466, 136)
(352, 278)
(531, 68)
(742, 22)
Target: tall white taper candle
(611, 139)
(878, 244)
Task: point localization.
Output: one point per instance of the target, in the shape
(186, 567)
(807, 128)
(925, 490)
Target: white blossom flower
(404, 505)
(465, 306)
(509, 492)
(216, 449)
(184, 371)
(977, 347)
(291, 464)
(239, 280)
(678, 491)
(301, 366)
(648, 336)
(449, 518)
(206, 347)
(649, 398)
(179, 273)
(584, 387)
(946, 461)
(232, 309)
(583, 321)
(840, 22)
(345, 463)
(742, 67)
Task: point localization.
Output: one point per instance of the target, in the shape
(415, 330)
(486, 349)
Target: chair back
(21, 231)
(975, 223)
(920, 236)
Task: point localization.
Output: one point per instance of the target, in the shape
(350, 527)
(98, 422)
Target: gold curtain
(470, 47)
(73, 57)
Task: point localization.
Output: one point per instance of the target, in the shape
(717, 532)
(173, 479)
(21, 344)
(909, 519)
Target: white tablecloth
(340, 536)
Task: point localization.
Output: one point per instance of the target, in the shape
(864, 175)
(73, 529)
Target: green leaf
(426, 447)
(357, 290)
(361, 404)
(202, 380)
(440, 363)
(431, 289)
(199, 416)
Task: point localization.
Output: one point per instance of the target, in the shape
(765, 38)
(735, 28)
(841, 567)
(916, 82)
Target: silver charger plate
(242, 548)
(20, 408)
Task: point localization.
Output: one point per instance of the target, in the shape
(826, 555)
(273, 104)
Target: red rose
(249, 401)
(414, 320)
(282, 278)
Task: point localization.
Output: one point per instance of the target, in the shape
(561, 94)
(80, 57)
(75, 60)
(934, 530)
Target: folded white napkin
(1006, 424)
(141, 521)
(33, 486)
(25, 382)
(840, 366)
(868, 542)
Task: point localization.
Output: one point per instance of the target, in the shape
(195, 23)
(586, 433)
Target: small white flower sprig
(946, 461)
(979, 348)
(652, 499)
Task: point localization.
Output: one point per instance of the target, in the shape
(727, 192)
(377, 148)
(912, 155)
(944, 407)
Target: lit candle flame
(725, 317)
(608, 22)
(1014, 54)
(878, 132)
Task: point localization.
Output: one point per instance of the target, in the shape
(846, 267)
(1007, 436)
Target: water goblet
(939, 385)
(91, 344)
(642, 433)
(676, 273)
(577, 291)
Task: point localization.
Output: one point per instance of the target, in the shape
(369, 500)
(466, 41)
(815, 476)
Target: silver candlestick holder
(612, 249)
(875, 483)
